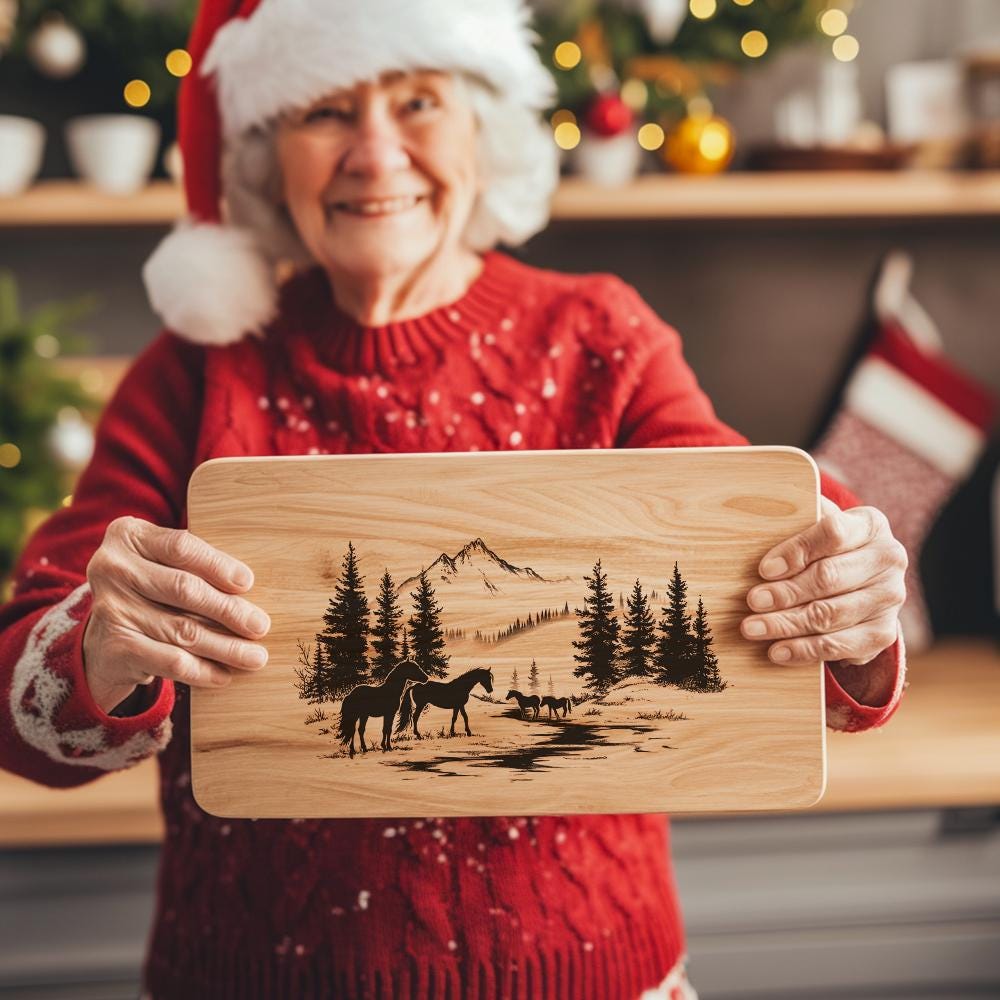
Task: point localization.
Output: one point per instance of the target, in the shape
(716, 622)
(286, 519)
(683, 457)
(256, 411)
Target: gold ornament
(699, 145)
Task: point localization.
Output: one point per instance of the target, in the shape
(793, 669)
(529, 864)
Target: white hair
(516, 157)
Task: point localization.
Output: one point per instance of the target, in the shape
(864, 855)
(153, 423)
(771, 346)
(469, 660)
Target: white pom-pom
(210, 284)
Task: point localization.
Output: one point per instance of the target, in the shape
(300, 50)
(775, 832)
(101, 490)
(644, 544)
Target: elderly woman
(372, 155)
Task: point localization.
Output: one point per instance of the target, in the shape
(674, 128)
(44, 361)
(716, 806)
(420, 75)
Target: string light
(650, 136)
(634, 94)
(742, 3)
(567, 55)
(702, 9)
(137, 93)
(46, 346)
(567, 135)
(833, 22)
(562, 115)
(178, 62)
(67, 500)
(754, 44)
(846, 48)
(10, 455)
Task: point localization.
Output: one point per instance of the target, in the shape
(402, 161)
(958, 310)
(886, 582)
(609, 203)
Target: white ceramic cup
(114, 152)
(23, 142)
(608, 161)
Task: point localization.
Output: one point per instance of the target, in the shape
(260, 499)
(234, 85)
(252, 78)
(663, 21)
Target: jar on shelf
(982, 70)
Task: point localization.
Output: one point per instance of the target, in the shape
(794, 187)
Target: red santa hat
(253, 59)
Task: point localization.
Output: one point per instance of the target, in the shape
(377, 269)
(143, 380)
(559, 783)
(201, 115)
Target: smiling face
(381, 177)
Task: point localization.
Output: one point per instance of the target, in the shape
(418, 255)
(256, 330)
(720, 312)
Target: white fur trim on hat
(210, 283)
(289, 53)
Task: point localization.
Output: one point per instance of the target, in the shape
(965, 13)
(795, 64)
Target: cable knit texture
(567, 907)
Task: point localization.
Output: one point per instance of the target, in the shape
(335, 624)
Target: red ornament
(608, 115)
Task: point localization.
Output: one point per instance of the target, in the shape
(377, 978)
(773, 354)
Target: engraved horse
(524, 702)
(382, 699)
(555, 705)
(451, 694)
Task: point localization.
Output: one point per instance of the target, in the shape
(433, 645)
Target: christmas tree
(660, 55)
(44, 438)
(87, 53)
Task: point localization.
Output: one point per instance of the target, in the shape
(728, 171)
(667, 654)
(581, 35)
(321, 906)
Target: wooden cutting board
(518, 576)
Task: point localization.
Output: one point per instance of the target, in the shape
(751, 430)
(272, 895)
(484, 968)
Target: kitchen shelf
(785, 195)
(941, 749)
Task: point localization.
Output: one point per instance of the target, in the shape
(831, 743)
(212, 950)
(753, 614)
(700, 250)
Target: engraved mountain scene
(483, 659)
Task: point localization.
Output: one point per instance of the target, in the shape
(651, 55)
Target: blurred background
(809, 191)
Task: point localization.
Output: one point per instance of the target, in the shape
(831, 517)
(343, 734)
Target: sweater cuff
(845, 712)
(54, 711)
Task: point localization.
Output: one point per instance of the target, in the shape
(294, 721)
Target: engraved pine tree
(388, 615)
(638, 641)
(426, 635)
(598, 643)
(345, 636)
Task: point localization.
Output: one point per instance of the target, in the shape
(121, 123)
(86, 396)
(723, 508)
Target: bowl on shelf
(888, 156)
(23, 142)
(115, 153)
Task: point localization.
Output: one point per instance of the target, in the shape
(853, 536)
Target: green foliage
(126, 40)
(32, 394)
(710, 48)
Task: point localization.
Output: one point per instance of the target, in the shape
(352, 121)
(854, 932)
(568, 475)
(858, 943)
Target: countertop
(940, 749)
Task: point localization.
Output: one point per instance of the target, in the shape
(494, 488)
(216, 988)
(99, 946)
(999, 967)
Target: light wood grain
(780, 195)
(716, 511)
(941, 749)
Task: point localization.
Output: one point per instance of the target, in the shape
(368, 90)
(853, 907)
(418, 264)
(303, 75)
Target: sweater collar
(308, 308)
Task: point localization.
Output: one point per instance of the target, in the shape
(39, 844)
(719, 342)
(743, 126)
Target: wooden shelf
(812, 195)
(942, 748)
(808, 195)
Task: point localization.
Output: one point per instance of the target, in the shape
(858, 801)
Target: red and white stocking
(909, 429)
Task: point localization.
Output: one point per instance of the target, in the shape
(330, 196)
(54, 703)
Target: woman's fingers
(198, 638)
(138, 656)
(827, 577)
(177, 588)
(180, 549)
(836, 531)
(858, 644)
(827, 614)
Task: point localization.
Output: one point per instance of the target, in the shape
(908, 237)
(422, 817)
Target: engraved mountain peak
(477, 558)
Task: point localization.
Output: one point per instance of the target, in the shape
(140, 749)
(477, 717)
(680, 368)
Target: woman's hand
(836, 590)
(158, 595)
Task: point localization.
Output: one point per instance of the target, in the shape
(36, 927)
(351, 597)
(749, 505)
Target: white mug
(22, 141)
(114, 152)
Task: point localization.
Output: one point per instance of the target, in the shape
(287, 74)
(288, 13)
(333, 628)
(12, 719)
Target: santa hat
(252, 59)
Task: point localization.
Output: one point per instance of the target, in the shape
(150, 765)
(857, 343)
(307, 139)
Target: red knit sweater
(568, 907)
